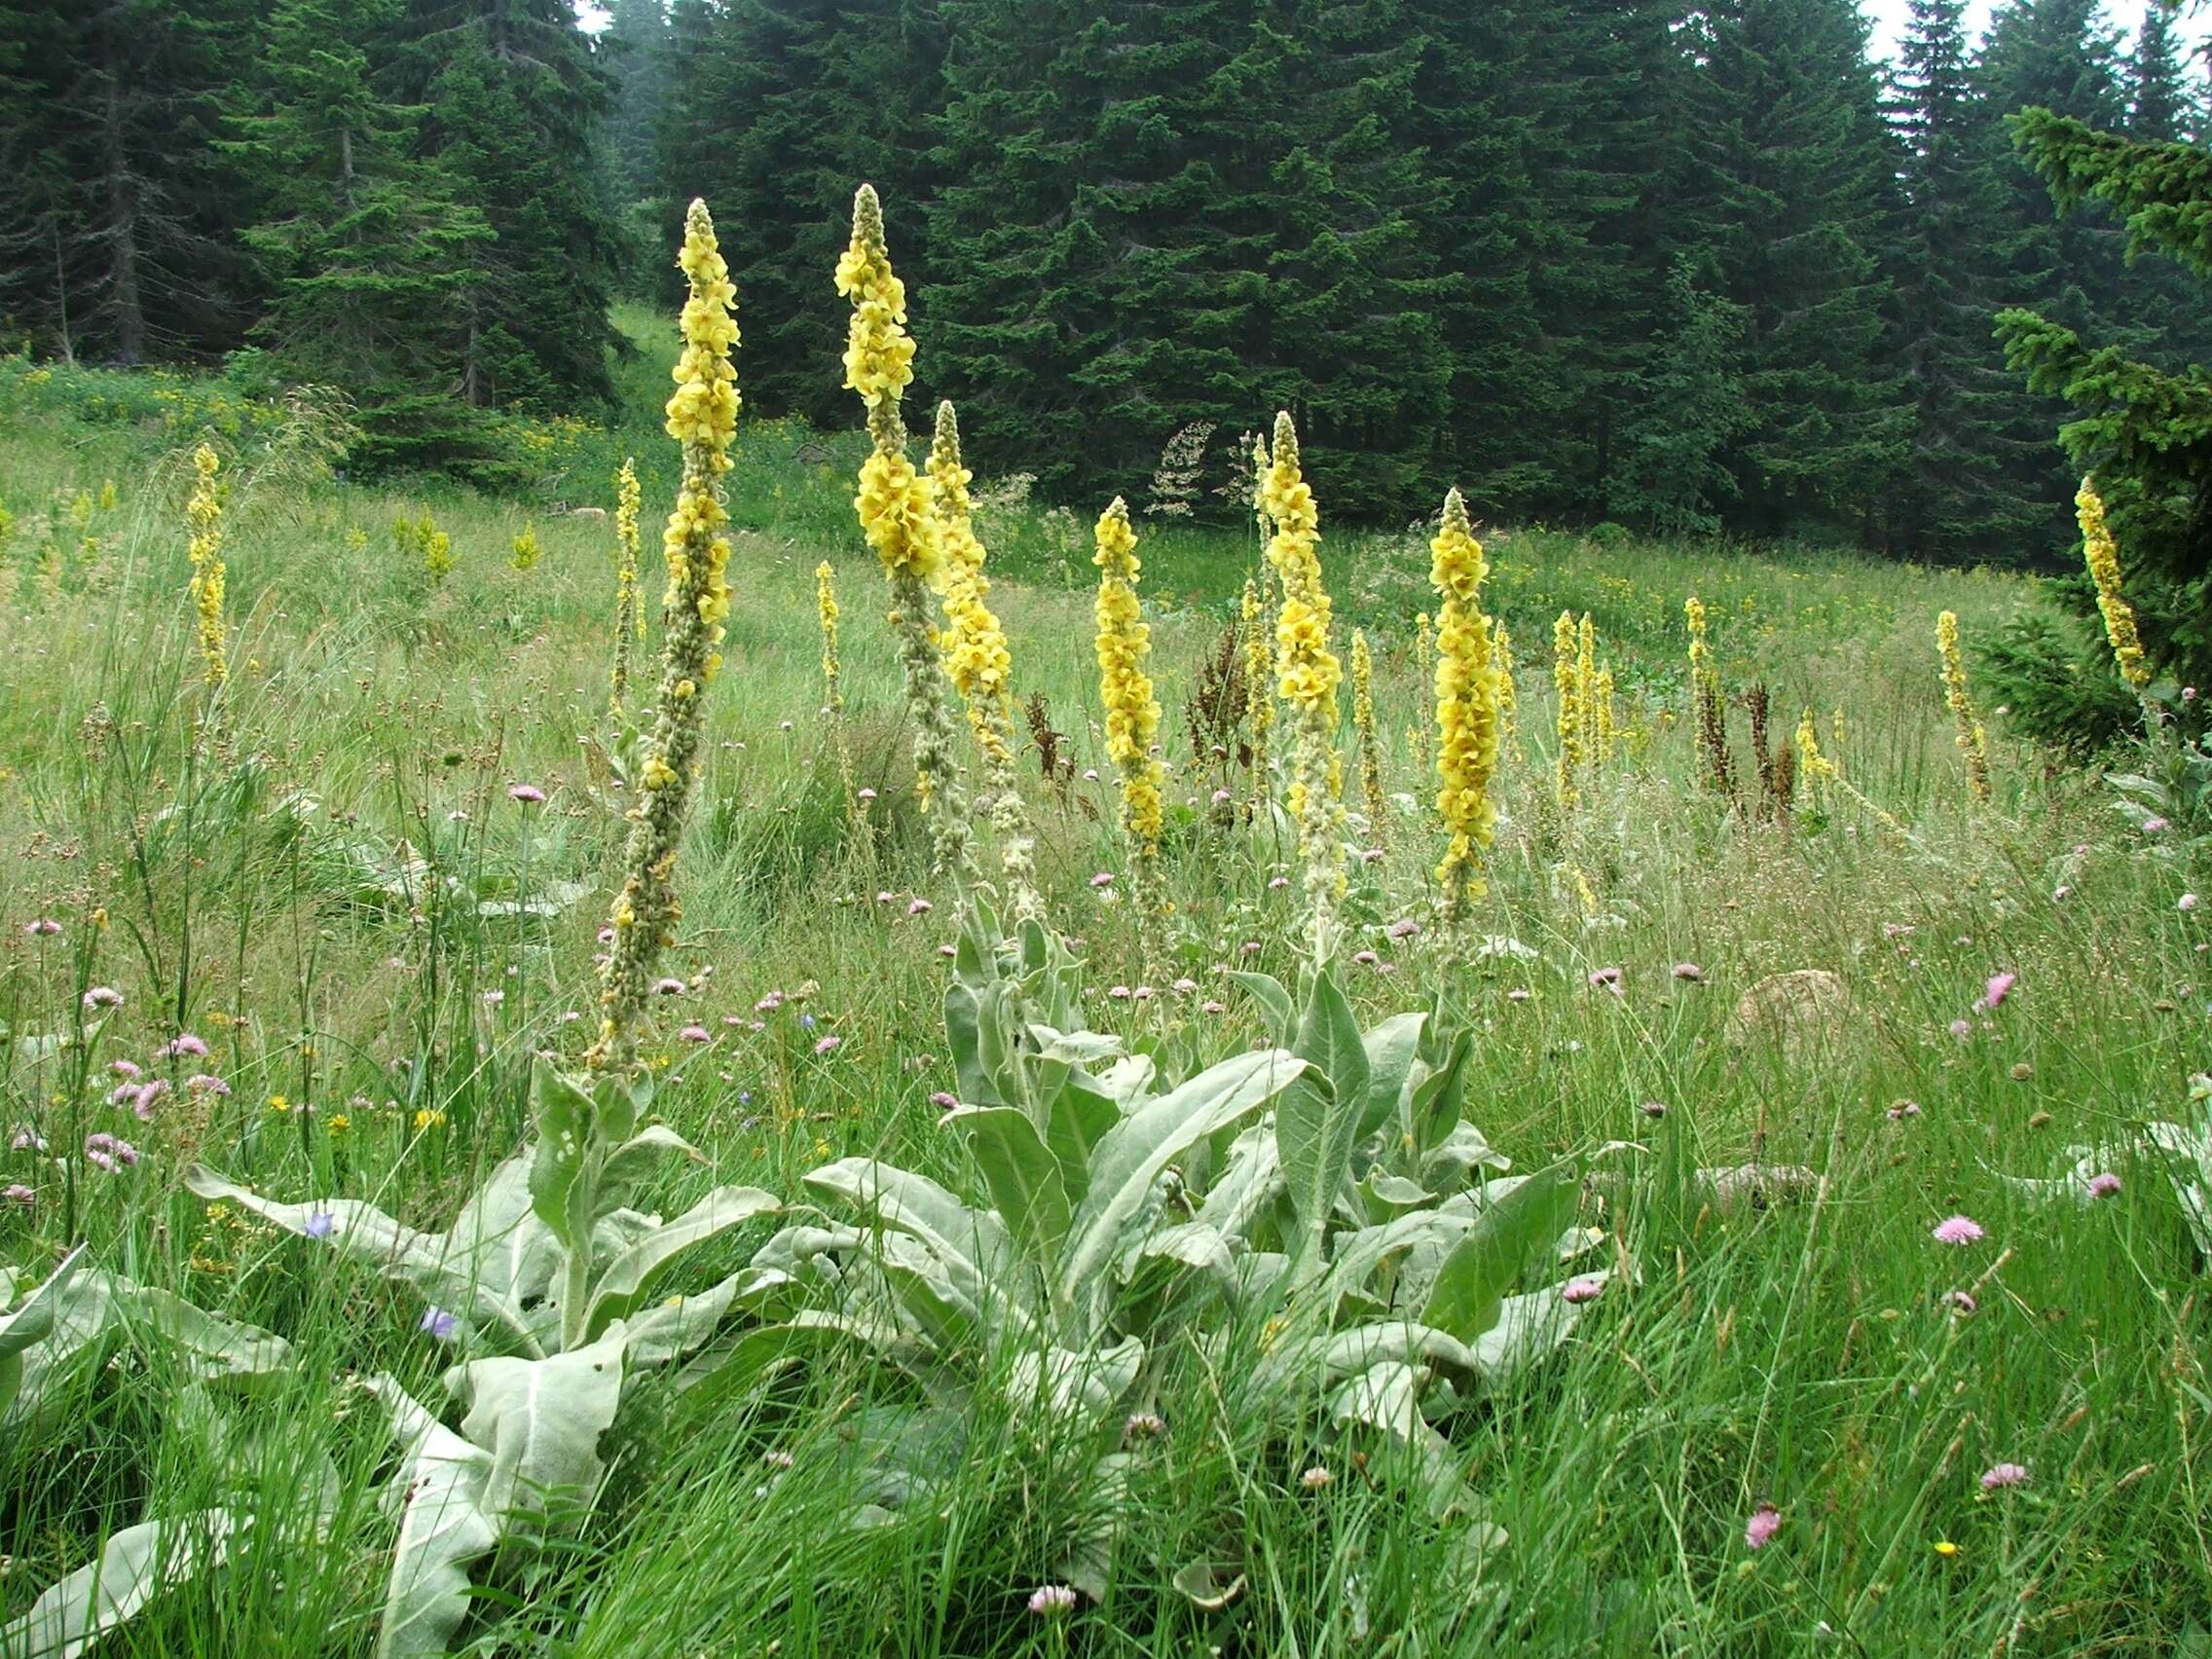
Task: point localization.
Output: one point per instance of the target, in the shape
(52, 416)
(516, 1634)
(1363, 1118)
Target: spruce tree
(1799, 166)
(1956, 495)
(371, 261)
(2145, 432)
(1669, 475)
(779, 108)
(513, 99)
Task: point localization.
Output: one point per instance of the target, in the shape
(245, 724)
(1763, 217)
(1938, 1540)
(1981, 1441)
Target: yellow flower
(203, 513)
(1567, 763)
(1945, 1548)
(1971, 741)
(2103, 556)
(337, 1124)
(895, 506)
(703, 416)
(277, 1103)
(629, 594)
(1132, 715)
(526, 550)
(1466, 707)
(1307, 675)
(428, 1118)
(979, 664)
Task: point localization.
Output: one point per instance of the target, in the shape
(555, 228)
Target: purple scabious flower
(26, 1139)
(1104, 878)
(2104, 1185)
(1960, 1302)
(148, 1096)
(1958, 1230)
(1580, 1290)
(185, 1043)
(18, 1194)
(669, 987)
(530, 794)
(1691, 971)
(828, 1044)
(1606, 980)
(206, 1083)
(1050, 1600)
(1403, 929)
(1760, 1528)
(1999, 987)
(45, 926)
(103, 997)
(2001, 1475)
(919, 907)
(696, 1034)
(126, 1069)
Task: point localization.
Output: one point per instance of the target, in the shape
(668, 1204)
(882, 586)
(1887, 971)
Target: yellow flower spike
(1586, 687)
(1306, 678)
(1133, 712)
(833, 681)
(1419, 736)
(702, 414)
(1603, 732)
(979, 666)
(1370, 751)
(1502, 665)
(898, 514)
(1973, 743)
(629, 593)
(1259, 682)
(1567, 764)
(1467, 710)
(2102, 555)
(526, 549)
(203, 514)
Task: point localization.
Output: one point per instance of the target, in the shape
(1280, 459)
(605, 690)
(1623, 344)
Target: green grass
(308, 896)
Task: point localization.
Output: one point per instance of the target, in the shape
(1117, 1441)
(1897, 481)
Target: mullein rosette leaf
(701, 416)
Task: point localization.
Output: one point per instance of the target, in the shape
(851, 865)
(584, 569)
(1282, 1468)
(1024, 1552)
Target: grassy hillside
(326, 879)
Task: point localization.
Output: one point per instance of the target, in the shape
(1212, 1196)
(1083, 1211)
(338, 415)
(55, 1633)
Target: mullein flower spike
(1467, 709)
(833, 681)
(701, 416)
(1568, 764)
(1259, 685)
(1363, 728)
(203, 513)
(2102, 555)
(629, 595)
(1307, 675)
(897, 515)
(979, 666)
(1133, 712)
(1973, 742)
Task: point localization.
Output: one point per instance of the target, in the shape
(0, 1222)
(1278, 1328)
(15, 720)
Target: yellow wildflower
(702, 414)
(1466, 707)
(2103, 556)
(1567, 763)
(1132, 714)
(1971, 741)
(1363, 728)
(1259, 677)
(629, 593)
(205, 514)
(526, 550)
(897, 514)
(1307, 675)
(979, 664)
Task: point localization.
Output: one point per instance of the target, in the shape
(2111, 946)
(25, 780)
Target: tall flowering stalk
(2102, 554)
(203, 513)
(833, 681)
(701, 416)
(1566, 765)
(1133, 712)
(1306, 678)
(1421, 736)
(1260, 686)
(629, 594)
(1586, 684)
(897, 515)
(979, 666)
(1467, 712)
(1502, 668)
(1363, 728)
(1705, 707)
(1603, 732)
(1973, 743)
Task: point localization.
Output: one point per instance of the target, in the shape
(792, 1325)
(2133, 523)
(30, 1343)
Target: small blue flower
(806, 1022)
(438, 1323)
(320, 1224)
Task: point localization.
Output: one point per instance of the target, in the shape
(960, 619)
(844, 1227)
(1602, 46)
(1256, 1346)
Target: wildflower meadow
(920, 1073)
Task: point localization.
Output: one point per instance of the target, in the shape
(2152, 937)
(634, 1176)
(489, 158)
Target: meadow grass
(325, 877)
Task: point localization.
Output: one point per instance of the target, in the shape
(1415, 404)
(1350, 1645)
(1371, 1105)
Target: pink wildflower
(1958, 1230)
(530, 794)
(2104, 1185)
(1760, 1528)
(1999, 988)
(1999, 1475)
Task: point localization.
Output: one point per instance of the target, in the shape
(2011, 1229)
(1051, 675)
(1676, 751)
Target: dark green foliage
(1691, 405)
(775, 110)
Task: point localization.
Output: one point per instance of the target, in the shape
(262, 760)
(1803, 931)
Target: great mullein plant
(701, 416)
(549, 1281)
(897, 516)
(1370, 751)
(827, 613)
(981, 667)
(1132, 714)
(1467, 714)
(1973, 742)
(1313, 1216)
(203, 515)
(629, 592)
(1307, 676)
(1567, 763)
